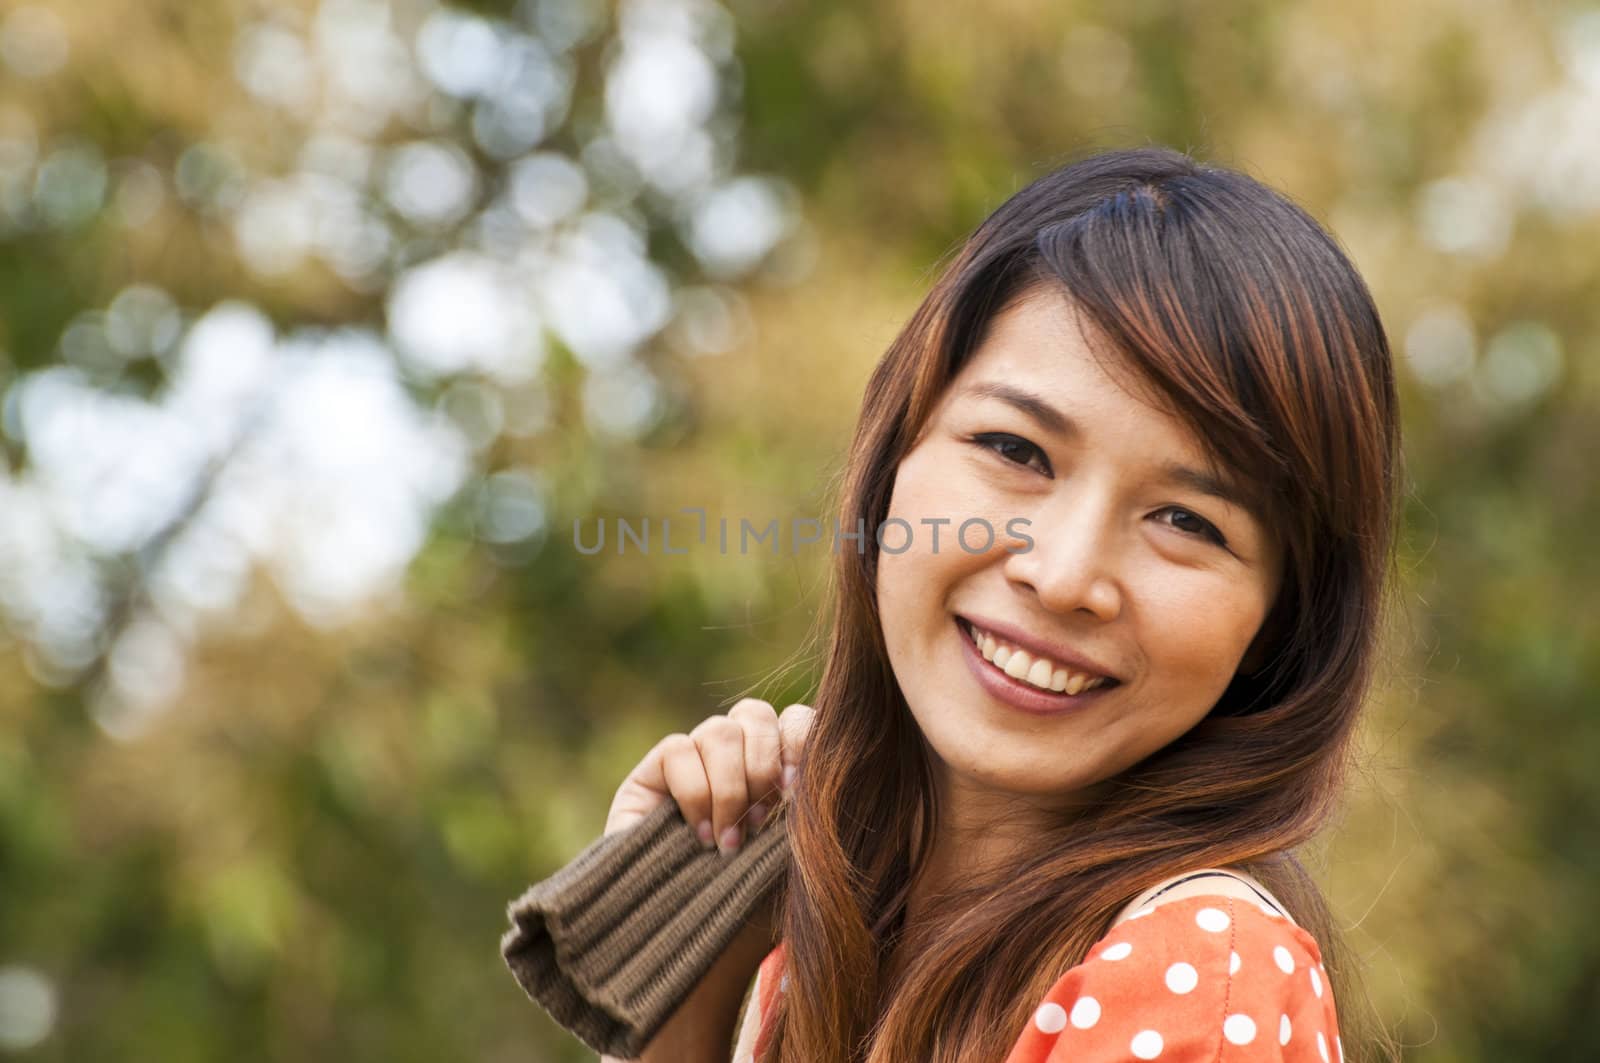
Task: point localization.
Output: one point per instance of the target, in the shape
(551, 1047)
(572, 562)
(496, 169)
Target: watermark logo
(975, 535)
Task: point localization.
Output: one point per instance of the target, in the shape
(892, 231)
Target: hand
(726, 767)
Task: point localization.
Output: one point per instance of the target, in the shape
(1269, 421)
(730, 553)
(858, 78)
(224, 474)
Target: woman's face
(1135, 568)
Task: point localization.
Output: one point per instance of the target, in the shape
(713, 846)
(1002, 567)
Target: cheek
(914, 578)
(1205, 625)
(917, 491)
(903, 568)
(936, 484)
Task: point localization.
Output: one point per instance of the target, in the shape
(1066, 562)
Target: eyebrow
(1172, 472)
(1207, 484)
(1029, 403)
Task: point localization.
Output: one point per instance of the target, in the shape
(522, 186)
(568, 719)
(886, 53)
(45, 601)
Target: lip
(1022, 640)
(1018, 694)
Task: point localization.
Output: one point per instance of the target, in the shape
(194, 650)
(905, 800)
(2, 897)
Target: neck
(979, 833)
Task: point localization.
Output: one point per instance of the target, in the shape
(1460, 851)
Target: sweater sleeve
(613, 942)
(1209, 978)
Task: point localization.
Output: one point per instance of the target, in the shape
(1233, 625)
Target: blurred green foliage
(304, 848)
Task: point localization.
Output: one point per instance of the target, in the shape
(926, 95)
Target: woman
(1169, 395)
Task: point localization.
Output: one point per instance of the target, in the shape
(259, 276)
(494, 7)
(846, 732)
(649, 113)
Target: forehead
(1041, 344)
(1042, 359)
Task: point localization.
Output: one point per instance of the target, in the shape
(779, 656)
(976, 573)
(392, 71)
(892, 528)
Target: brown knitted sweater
(614, 941)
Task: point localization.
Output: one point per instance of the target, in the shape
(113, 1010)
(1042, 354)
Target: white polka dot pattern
(1182, 978)
(1051, 1017)
(1146, 1044)
(1176, 988)
(1191, 974)
(1239, 1029)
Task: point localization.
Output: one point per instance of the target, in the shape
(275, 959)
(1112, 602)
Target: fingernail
(704, 830)
(730, 839)
(758, 815)
(788, 777)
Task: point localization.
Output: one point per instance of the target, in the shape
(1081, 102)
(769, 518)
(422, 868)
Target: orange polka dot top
(1213, 978)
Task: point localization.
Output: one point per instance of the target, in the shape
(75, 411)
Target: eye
(1192, 524)
(1008, 446)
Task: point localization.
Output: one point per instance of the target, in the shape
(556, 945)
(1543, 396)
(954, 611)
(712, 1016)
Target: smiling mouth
(1038, 673)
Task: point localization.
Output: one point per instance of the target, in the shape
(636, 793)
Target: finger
(794, 724)
(684, 778)
(650, 772)
(763, 765)
(721, 742)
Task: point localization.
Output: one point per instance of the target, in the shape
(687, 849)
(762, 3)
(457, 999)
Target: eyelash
(988, 441)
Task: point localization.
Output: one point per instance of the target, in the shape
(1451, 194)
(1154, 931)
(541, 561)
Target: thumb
(794, 723)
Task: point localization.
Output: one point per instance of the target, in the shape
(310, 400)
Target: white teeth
(1017, 665)
(1036, 671)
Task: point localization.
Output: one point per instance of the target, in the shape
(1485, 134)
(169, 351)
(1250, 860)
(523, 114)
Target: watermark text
(894, 535)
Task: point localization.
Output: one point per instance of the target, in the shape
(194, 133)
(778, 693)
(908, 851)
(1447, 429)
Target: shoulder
(1211, 881)
(1209, 976)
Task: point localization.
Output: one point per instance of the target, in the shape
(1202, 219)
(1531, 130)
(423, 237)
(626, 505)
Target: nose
(1072, 564)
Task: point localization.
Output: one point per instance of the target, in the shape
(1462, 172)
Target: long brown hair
(1247, 319)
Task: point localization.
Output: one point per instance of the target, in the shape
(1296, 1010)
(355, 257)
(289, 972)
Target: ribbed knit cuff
(613, 942)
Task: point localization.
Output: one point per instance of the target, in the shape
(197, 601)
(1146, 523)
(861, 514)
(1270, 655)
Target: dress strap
(1268, 901)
